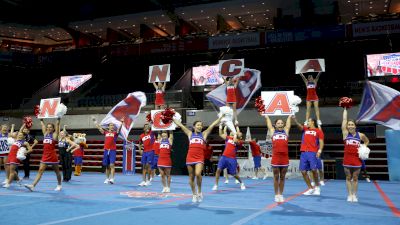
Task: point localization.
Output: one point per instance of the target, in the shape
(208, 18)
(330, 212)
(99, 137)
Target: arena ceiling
(44, 21)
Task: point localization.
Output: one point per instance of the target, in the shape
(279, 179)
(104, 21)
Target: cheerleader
(312, 144)
(312, 97)
(160, 93)
(351, 161)
(154, 164)
(65, 144)
(13, 161)
(110, 149)
(195, 155)
(49, 156)
(231, 86)
(33, 142)
(280, 153)
(5, 149)
(146, 142)
(228, 158)
(164, 160)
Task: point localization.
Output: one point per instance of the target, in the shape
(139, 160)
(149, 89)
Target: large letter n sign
(159, 73)
(48, 107)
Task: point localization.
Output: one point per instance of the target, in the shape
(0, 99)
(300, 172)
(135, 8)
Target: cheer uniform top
(280, 148)
(196, 149)
(311, 91)
(351, 144)
(164, 159)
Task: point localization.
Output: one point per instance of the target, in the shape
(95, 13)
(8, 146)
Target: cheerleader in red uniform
(49, 156)
(110, 148)
(195, 155)
(280, 153)
(160, 93)
(154, 163)
(312, 96)
(5, 149)
(13, 161)
(164, 161)
(351, 162)
(228, 159)
(231, 86)
(146, 142)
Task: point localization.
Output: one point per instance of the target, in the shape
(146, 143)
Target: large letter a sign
(277, 103)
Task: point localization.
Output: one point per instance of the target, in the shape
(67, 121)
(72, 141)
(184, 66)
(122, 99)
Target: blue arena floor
(86, 200)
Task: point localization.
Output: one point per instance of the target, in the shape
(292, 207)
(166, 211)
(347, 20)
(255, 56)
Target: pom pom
(167, 115)
(36, 110)
(346, 102)
(259, 104)
(177, 116)
(294, 108)
(148, 118)
(61, 111)
(21, 153)
(10, 141)
(363, 152)
(28, 122)
(295, 101)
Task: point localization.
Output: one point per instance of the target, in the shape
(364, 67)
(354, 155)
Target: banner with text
(234, 40)
(376, 28)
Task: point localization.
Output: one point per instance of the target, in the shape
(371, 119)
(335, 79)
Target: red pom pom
(148, 118)
(166, 115)
(259, 104)
(36, 110)
(346, 102)
(27, 121)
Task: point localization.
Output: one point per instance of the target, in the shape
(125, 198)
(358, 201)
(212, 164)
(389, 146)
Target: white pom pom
(61, 111)
(177, 116)
(294, 108)
(10, 141)
(363, 152)
(21, 153)
(295, 100)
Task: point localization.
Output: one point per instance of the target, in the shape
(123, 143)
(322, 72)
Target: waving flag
(380, 104)
(248, 85)
(129, 109)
